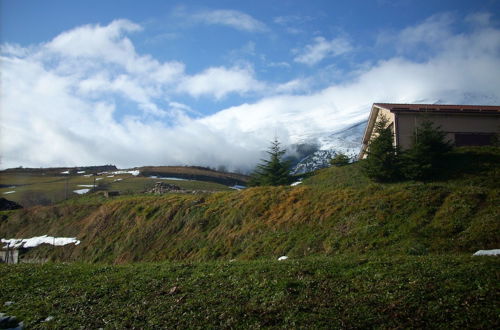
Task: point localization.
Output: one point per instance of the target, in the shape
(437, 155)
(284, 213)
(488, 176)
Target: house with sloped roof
(464, 125)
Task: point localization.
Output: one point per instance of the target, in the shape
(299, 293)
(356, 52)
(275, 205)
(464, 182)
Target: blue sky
(210, 82)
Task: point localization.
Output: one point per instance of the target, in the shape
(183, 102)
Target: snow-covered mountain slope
(346, 141)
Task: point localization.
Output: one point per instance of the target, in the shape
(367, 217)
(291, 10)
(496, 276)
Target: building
(9, 256)
(464, 125)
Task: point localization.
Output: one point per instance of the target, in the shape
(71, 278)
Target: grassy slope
(340, 292)
(336, 211)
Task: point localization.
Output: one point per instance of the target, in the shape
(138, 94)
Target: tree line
(424, 160)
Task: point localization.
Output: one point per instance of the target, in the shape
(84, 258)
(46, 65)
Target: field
(348, 291)
(38, 188)
(195, 173)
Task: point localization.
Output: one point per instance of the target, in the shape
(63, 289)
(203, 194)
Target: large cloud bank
(87, 97)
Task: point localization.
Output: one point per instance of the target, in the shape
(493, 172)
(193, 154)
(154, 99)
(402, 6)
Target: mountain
(346, 141)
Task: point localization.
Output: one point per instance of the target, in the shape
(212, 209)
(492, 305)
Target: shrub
(340, 160)
(426, 157)
(383, 162)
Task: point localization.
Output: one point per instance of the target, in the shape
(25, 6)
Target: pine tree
(382, 162)
(340, 159)
(272, 172)
(425, 158)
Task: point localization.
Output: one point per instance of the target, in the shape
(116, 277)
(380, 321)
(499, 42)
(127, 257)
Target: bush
(382, 162)
(340, 160)
(426, 157)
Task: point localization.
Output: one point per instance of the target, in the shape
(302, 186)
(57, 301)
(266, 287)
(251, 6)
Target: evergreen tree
(340, 159)
(382, 162)
(425, 158)
(272, 172)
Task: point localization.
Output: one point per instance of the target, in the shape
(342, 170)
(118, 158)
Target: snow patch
(238, 187)
(38, 240)
(87, 175)
(168, 178)
(81, 191)
(98, 179)
(133, 172)
(9, 192)
(117, 180)
(110, 176)
(65, 172)
(494, 252)
(282, 258)
(48, 319)
(296, 183)
(80, 172)
(86, 185)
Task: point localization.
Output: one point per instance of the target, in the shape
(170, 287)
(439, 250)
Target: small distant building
(162, 188)
(464, 125)
(9, 256)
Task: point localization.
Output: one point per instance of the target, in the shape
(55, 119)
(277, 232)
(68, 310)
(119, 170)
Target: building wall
(450, 123)
(10, 256)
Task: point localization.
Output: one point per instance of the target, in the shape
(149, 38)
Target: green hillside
(335, 211)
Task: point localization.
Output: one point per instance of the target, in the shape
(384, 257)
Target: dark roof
(456, 108)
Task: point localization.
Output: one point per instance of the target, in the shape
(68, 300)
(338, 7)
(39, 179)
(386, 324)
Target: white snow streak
(81, 191)
(38, 240)
(494, 252)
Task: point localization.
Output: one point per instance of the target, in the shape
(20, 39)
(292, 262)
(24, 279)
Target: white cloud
(295, 85)
(231, 18)
(293, 23)
(430, 33)
(69, 110)
(322, 48)
(104, 42)
(479, 19)
(220, 81)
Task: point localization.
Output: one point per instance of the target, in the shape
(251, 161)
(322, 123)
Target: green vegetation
(336, 211)
(362, 255)
(426, 158)
(382, 163)
(195, 173)
(272, 172)
(30, 189)
(340, 160)
(340, 292)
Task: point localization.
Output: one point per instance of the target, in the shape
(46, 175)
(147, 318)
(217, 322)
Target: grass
(37, 189)
(195, 172)
(362, 255)
(334, 212)
(340, 292)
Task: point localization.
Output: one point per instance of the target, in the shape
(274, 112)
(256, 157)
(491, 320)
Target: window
(473, 139)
